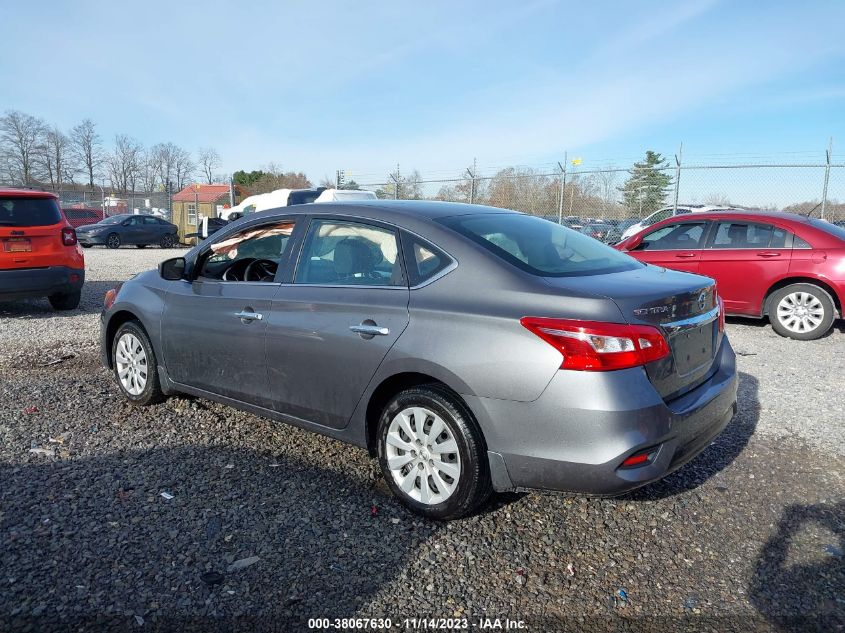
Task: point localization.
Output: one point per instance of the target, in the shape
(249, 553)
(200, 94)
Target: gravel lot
(750, 535)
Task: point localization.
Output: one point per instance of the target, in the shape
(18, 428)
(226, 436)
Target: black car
(139, 230)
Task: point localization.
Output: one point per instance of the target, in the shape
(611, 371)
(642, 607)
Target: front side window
(253, 254)
(540, 247)
(349, 254)
(674, 237)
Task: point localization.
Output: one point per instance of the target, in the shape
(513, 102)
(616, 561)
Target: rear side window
(540, 247)
(748, 235)
(29, 212)
(423, 260)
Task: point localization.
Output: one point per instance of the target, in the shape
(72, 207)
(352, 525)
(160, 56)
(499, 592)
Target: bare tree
(86, 147)
(56, 157)
(124, 163)
(163, 156)
(184, 168)
(20, 135)
(148, 172)
(209, 161)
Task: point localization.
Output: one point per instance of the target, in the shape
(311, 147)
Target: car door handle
(370, 330)
(248, 315)
(685, 255)
(768, 254)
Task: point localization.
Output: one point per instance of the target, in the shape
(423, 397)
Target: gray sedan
(139, 230)
(470, 348)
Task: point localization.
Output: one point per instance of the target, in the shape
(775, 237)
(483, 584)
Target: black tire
(140, 246)
(167, 241)
(818, 297)
(113, 240)
(151, 393)
(65, 300)
(474, 483)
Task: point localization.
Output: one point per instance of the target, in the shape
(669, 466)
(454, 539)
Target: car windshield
(827, 227)
(540, 247)
(17, 211)
(115, 219)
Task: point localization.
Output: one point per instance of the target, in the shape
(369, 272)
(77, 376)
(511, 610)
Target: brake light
(599, 346)
(68, 236)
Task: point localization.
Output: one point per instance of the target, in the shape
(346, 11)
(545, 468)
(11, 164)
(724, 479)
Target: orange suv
(39, 254)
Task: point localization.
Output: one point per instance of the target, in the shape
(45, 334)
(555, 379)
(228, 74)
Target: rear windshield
(827, 227)
(540, 247)
(29, 212)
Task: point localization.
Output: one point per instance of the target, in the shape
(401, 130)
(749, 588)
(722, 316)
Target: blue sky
(317, 86)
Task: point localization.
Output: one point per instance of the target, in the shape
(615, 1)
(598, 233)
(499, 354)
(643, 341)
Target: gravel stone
(748, 536)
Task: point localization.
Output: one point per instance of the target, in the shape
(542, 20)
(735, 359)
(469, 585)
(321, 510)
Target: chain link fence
(620, 193)
(113, 202)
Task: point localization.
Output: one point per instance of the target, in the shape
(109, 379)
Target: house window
(192, 213)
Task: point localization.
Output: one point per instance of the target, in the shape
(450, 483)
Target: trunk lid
(682, 305)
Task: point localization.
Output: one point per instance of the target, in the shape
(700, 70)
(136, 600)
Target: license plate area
(693, 348)
(17, 245)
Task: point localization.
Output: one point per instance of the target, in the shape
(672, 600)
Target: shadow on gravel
(93, 293)
(719, 455)
(814, 589)
(92, 543)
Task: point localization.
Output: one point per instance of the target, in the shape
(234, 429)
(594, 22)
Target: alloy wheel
(131, 361)
(800, 312)
(422, 455)
(113, 241)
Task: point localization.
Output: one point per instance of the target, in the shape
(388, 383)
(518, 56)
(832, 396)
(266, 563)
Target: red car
(80, 216)
(785, 266)
(39, 253)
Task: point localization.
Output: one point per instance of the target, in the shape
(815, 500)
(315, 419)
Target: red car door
(745, 258)
(676, 245)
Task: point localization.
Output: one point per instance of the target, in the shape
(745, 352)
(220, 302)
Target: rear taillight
(598, 346)
(68, 236)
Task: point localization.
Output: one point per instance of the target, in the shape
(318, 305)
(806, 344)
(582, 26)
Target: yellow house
(198, 200)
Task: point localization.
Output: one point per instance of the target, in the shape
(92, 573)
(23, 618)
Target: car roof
(416, 209)
(26, 193)
(747, 215)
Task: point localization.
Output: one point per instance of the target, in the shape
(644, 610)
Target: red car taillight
(68, 236)
(598, 346)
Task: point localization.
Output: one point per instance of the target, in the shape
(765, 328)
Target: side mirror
(172, 269)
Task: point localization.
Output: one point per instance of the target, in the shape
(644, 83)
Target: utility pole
(678, 158)
(828, 156)
(562, 188)
(471, 173)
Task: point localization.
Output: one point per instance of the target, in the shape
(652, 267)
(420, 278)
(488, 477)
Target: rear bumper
(25, 283)
(576, 435)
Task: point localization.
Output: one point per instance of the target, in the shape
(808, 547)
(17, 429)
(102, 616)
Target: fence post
(562, 188)
(678, 158)
(826, 175)
(471, 173)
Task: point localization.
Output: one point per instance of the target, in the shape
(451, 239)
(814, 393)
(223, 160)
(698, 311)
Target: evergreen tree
(648, 185)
